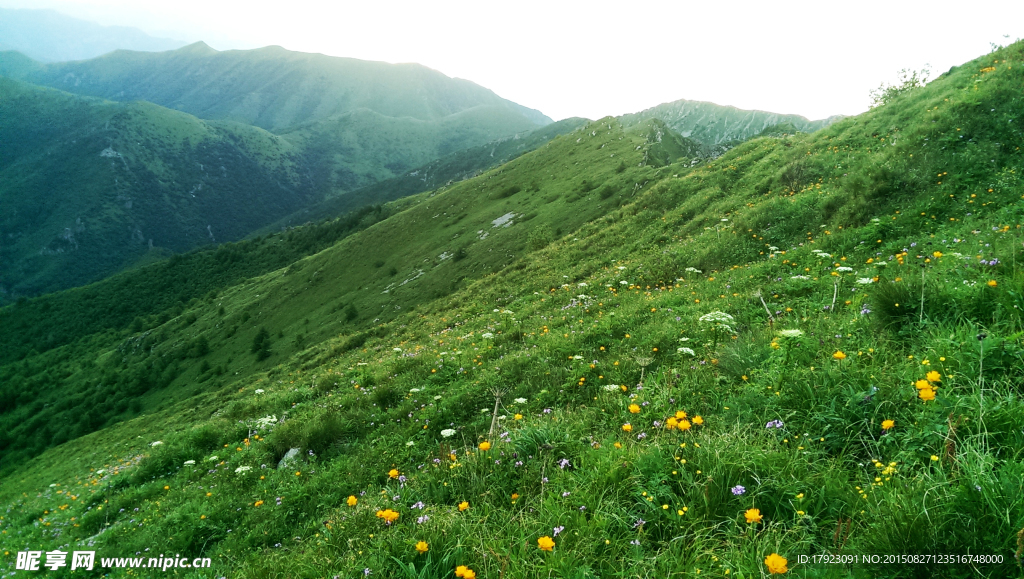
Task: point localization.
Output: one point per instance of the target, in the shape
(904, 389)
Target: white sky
(591, 59)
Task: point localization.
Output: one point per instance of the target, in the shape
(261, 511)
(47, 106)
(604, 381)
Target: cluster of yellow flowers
(926, 388)
(680, 421)
(388, 515)
(465, 572)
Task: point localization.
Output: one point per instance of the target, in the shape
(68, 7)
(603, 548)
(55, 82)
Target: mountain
(598, 359)
(49, 36)
(273, 88)
(714, 125)
(87, 186)
(341, 125)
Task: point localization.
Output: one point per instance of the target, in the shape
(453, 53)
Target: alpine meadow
(436, 335)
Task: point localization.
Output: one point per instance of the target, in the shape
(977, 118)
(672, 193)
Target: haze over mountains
(49, 36)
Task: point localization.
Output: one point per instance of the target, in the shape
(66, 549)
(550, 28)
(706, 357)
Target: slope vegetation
(808, 346)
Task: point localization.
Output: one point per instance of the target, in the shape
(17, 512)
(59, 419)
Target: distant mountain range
(49, 36)
(715, 125)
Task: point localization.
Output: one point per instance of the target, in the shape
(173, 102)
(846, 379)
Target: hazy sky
(592, 59)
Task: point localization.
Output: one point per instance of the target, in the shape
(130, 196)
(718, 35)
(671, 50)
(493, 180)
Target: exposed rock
(290, 460)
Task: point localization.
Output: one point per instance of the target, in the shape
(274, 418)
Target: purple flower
(774, 424)
(418, 505)
(563, 463)
(641, 436)
(738, 490)
(547, 411)
(565, 494)
(582, 508)
(557, 530)
(423, 519)
(402, 479)
(865, 310)
(638, 523)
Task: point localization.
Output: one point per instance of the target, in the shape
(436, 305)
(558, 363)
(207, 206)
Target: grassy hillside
(87, 187)
(716, 125)
(440, 172)
(808, 346)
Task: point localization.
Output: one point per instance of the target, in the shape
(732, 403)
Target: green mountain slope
(441, 172)
(715, 125)
(808, 345)
(88, 187)
(271, 87)
(47, 35)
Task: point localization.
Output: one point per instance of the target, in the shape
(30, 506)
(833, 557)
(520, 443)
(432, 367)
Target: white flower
(581, 284)
(414, 390)
(448, 433)
(799, 277)
(242, 469)
(685, 350)
(583, 296)
(396, 349)
(693, 270)
(438, 397)
(520, 400)
(684, 339)
(721, 319)
(487, 335)
(190, 463)
(621, 267)
(411, 443)
(610, 388)
(623, 283)
(791, 333)
(101, 471)
(266, 422)
(844, 268)
(212, 458)
(577, 357)
(259, 391)
(157, 443)
(865, 281)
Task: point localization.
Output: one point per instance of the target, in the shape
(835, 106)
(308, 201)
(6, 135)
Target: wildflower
(422, 547)
(791, 333)
(685, 350)
(684, 425)
(887, 424)
(926, 394)
(242, 469)
(935, 458)
(992, 283)
(258, 503)
(738, 490)
(463, 506)
(448, 432)
(698, 420)
(639, 523)
(545, 543)
(671, 423)
(839, 355)
(775, 424)
(776, 564)
(627, 427)
(617, 445)
(753, 516)
(190, 463)
(933, 376)
(460, 571)
(563, 463)
(485, 446)
(922, 384)
(393, 473)
(680, 415)
(518, 417)
(388, 515)
(556, 530)
(865, 281)
(156, 443)
(352, 501)
(634, 409)
(515, 496)
(520, 400)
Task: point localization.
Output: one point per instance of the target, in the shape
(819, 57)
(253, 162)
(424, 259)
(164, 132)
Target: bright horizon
(573, 59)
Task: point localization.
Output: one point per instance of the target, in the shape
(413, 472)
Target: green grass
(581, 311)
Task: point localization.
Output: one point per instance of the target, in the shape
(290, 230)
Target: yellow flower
(753, 515)
(393, 473)
(352, 500)
(839, 355)
(618, 445)
(485, 445)
(922, 384)
(887, 424)
(388, 515)
(992, 283)
(518, 417)
(684, 425)
(463, 505)
(671, 423)
(469, 574)
(634, 409)
(935, 458)
(258, 504)
(515, 496)
(926, 394)
(776, 564)
(627, 427)
(545, 543)
(422, 547)
(698, 420)
(460, 571)
(933, 376)
(936, 254)
(680, 415)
